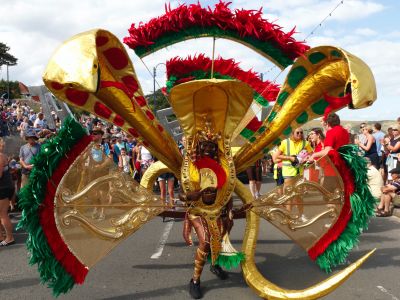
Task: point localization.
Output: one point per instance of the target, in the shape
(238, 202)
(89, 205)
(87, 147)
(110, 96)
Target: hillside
(355, 125)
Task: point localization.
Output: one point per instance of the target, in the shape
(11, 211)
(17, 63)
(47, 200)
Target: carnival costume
(211, 98)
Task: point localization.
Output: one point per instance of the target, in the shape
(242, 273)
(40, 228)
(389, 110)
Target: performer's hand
(187, 231)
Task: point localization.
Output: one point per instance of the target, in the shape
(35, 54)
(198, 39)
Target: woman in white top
(145, 159)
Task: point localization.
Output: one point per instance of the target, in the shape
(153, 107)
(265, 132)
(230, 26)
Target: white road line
(385, 291)
(163, 240)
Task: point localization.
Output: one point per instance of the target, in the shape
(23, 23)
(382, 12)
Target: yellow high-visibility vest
(290, 148)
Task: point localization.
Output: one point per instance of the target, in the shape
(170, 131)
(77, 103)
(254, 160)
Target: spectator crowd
(380, 149)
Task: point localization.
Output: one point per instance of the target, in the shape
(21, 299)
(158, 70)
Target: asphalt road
(129, 272)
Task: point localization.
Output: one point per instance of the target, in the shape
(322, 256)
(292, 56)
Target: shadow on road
(234, 280)
(20, 283)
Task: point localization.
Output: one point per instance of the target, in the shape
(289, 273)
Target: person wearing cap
(96, 165)
(118, 146)
(390, 193)
(26, 154)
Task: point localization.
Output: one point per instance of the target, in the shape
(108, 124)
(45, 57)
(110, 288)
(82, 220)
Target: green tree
(5, 57)
(161, 100)
(14, 89)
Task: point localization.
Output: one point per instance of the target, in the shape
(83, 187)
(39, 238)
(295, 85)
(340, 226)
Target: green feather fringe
(196, 31)
(229, 261)
(362, 205)
(31, 198)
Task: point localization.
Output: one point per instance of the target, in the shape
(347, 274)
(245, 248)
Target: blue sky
(369, 29)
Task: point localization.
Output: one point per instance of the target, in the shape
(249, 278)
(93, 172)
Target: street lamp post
(154, 83)
(8, 86)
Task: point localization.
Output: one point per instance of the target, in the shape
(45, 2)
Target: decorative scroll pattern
(272, 205)
(309, 207)
(97, 206)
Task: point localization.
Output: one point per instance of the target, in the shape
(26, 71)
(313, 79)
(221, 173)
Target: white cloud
(35, 28)
(365, 32)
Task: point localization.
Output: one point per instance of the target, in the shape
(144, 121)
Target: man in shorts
(26, 154)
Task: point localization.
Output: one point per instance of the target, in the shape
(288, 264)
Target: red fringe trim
(206, 162)
(335, 103)
(46, 216)
(243, 22)
(182, 68)
(254, 124)
(336, 230)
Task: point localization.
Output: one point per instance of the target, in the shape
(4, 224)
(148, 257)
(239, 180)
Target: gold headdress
(207, 133)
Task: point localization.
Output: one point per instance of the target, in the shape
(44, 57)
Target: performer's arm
(190, 196)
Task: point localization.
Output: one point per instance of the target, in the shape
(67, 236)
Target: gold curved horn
(267, 289)
(322, 71)
(151, 174)
(92, 71)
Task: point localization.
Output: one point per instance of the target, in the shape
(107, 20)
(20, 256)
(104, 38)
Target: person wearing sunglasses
(369, 146)
(287, 152)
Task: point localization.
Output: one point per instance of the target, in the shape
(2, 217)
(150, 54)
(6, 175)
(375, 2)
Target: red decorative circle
(130, 83)
(133, 132)
(116, 57)
(160, 127)
(150, 115)
(77, 97)
(141, 101)
(57, 86)
(119, 121)
(102, 110)
(101, 41)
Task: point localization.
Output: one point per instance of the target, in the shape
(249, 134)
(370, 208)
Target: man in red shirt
(336, 136)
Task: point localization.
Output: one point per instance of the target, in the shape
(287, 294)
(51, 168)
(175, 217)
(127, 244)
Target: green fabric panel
(261, 100)
(252, 139)
(316, 57)
(336, 53)
(287, 131)
(277, 141)
(266, 150)
(282, 98)
(271, 116)
(303, 118)
(247, 133)
(214, 31)
(296, 75)
(261, 129)
(319, 107)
